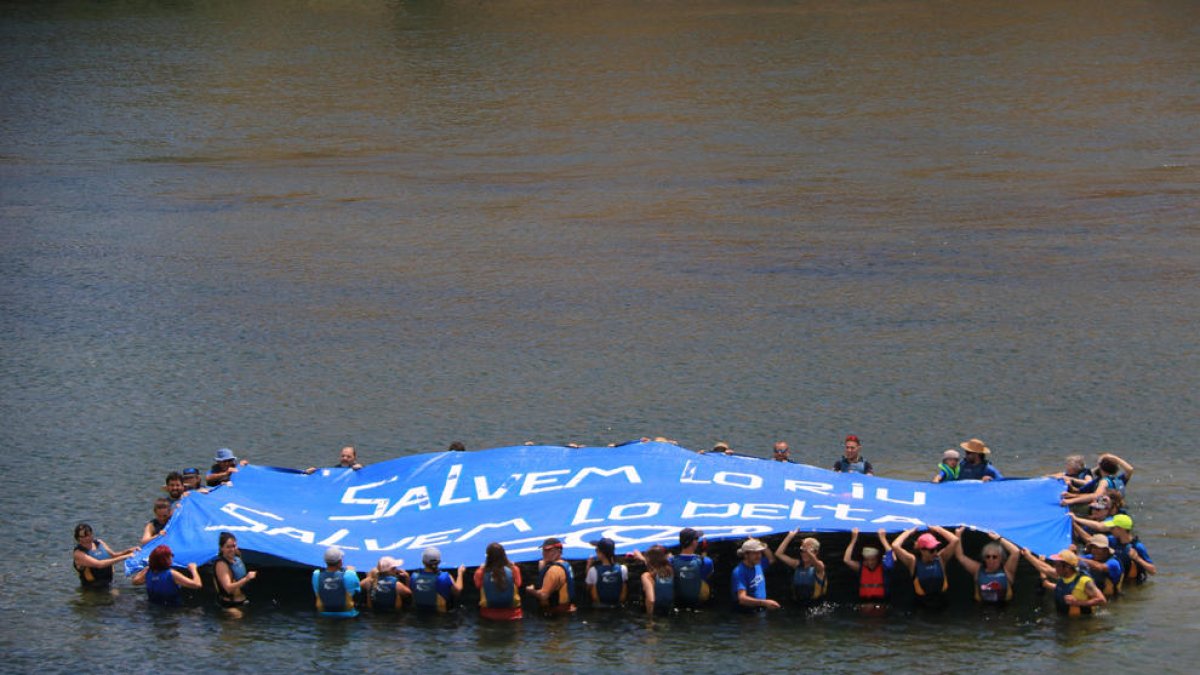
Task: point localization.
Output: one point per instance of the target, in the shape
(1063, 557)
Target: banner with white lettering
(637, 494)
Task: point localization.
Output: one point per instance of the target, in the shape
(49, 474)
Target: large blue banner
(638, 494)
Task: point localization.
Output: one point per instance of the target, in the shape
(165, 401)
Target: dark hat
(552, 542)
(687, 535)
(190, 472)
(606, 546)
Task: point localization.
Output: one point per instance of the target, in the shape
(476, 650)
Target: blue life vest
(929, 578)
(664, 594)
(332, 594)
(94, 577)
(1133, 570)
(691, 588)
(806, 585)
(384, 597)
(237, 570)
(161, 588)
(502, 596)
(992, 587)
(969, 471)
(1104, 579)
(846, 466)
(155, 526)
(425, 591)
(609, 584)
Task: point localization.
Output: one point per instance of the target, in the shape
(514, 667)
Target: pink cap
(927, 541)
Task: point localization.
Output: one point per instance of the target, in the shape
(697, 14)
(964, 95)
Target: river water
(283, 227)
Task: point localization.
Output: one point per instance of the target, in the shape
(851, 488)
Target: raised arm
(457, 579)
(1014, 556)
(780, 551)
(848, 556)
(971, 566)
(897, 548)
(1044, 568)
(189, 580)
(1126, 467)
(951, 542)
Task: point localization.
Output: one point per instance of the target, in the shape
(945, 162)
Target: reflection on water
(286, 229)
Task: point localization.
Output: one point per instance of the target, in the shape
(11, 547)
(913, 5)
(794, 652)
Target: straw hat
(976, 446)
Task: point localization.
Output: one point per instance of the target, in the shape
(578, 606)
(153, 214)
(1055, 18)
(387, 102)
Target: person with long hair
(658, 581)
(386, 586)
(162, 581)
(231, 573)
(93, 559)
(162, 514)
(499, 583)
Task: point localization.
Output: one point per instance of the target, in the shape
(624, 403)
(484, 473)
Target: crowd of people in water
(1104, 560)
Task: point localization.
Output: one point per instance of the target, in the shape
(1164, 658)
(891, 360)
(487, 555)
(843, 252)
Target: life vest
(609, 589)
(664, 594)
(691, 588)
(155, 526)
(947, 473)
(872, 583)
(1104, 580)
(161, 588)
(929, 578)
(846, 466)
(502, 596)
(565, 597)
(237, 570)
(806, 585)
(425, 591)
(992, 587)
(1133, 571)
(969, 471)
(383, 597)
(94, 577)
(332, 594)
(1076, 586)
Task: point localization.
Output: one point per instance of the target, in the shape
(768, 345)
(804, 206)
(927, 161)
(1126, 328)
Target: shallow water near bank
(283, 229)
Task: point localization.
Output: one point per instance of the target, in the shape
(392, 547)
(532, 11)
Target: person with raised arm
(928, 565)
(993, 577)
(874, 572)
(162, 581)
(809, 582)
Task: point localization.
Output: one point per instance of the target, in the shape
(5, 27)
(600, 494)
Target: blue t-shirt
(753, 580)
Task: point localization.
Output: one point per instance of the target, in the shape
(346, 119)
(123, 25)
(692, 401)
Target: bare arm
(189, 580)
(897, 548)
(1044, 568)
(951, 543)
(1126, 467)
(1014, 557)
(780, 551)
(971, 566)
(458, 579)
(847, 557)
(648, 591)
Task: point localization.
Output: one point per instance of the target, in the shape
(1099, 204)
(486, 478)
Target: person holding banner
(928, 566)
(851, 461)
(498, 581)
(162, 582)
(874, 574)
(808, 579)
(658, 582)
(335, 587)
(555, 589)
(93, 558)
(386, 586)
(749, 578)
(432, 589)
(607, 580)
(693, 570)
(1075, 593)
(993, 577)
